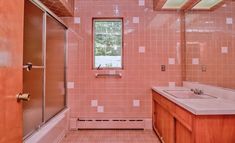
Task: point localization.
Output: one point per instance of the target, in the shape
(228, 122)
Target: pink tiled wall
(158, 32)
(206, 34)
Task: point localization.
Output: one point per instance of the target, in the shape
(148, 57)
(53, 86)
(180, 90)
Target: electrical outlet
(203, 67)
(163, 68)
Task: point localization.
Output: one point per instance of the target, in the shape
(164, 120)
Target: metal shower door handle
(23, 97)
(29, 66)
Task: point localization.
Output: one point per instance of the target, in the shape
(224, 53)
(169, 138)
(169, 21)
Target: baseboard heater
(83, 123)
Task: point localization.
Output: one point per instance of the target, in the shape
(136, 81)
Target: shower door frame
(48, 13)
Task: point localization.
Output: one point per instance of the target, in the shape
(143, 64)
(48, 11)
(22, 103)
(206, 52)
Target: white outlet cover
(77, 20)
(195, 61)
(141, 49)
(100, 109)
(94, 103)
(141, 2)
(224, 50)
(171, 84)
(136, 20)
(136, 103)
(171, 61)
(229, 20)
(70, 85)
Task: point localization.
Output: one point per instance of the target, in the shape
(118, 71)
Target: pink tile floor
(111, 136)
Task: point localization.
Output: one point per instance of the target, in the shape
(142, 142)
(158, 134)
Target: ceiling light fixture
(174, 4)
(206, 4)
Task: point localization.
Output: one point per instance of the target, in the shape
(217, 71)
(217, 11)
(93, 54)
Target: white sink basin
(187, 94)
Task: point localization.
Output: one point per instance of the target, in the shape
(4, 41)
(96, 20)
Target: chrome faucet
(98, 68)
(197, 91)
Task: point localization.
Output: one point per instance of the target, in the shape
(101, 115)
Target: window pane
(108, 43)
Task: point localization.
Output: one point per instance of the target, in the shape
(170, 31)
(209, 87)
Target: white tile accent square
(141, 2)
(171, 61)
(136, 20)
(229, 20)
(171, 84)
(141, 49)
(94, 103)
(195, 61)
(224, 50)
(70, 85)
(100, 109)
(77, 20)
(136, 103)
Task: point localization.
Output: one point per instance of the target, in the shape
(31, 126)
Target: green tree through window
(108, 43)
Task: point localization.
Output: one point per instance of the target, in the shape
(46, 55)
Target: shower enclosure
(44, 66)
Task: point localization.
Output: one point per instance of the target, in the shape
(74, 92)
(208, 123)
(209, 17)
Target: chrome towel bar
(116, 75)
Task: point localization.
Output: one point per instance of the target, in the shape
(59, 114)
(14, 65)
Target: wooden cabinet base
(174, 124)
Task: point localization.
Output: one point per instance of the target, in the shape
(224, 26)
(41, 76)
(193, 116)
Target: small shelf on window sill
(100, 75)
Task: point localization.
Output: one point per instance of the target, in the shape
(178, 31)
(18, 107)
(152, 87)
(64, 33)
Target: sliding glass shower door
(55, 67)
(33, 79)
(44, 67)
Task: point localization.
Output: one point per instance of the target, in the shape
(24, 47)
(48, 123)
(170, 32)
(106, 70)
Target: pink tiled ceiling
(158, 32)
(206, 35)
(61, 8)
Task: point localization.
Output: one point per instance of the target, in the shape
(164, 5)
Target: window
(107, 43)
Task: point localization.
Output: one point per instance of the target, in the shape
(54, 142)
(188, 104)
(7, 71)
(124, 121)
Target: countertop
(214, 106)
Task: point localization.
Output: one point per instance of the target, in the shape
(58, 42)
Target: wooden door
(11, 57)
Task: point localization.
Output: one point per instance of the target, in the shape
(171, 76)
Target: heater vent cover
(109, 123)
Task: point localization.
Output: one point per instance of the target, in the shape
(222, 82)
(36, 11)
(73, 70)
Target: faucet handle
(201, 91)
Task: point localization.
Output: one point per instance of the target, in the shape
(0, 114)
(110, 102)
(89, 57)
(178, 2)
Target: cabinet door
(182, 134)
(164, 123)
(33, 79)
(167, 127)
(157, 119)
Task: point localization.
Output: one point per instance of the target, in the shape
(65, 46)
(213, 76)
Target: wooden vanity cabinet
(174, 124)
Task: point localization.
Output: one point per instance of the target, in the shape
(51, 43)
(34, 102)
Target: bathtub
(53, 131)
